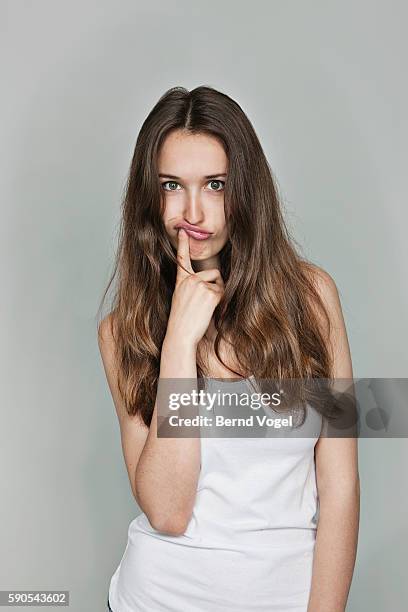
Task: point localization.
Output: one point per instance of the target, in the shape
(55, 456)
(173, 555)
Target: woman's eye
(172, 184)
(217, 183)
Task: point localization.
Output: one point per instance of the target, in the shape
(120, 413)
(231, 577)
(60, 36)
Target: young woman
(209, 284)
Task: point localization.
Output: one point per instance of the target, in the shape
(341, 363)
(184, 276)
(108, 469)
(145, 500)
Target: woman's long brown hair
(269, 311)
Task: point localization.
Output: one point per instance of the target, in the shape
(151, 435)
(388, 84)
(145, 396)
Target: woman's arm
(338, 485)
(168, 470)
(163, 472)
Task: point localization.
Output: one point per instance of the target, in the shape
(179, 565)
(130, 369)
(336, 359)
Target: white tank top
(250, 541)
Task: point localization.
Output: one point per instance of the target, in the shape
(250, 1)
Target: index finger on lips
(183, 255)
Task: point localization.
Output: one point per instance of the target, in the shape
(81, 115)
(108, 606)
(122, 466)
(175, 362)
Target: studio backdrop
(325, 87)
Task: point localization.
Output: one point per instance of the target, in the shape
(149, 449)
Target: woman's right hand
(195, 297)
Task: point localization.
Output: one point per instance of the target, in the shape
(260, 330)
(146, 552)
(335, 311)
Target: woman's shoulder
(331, 318)
(107, 330)
(322, 281)
(335, 332)
(107, 342)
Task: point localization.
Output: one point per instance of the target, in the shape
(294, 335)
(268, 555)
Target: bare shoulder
(327, 291)
(324, 283)
(106, 332)
(107, 349)
(107, 346)
(335, 333)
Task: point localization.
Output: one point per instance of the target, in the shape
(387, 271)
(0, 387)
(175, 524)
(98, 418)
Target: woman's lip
(196, 235)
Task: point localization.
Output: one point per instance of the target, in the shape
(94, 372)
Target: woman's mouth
(195, 233)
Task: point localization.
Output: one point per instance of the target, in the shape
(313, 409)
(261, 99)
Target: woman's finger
(183, 256)
(211, 276)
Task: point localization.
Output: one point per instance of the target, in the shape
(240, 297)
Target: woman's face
(192, 172)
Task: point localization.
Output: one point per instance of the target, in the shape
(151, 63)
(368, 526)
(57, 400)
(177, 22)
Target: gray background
(324, 84)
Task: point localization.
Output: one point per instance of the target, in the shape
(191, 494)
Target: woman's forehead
(191, 156)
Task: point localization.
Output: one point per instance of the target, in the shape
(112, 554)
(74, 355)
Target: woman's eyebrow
(177, 178)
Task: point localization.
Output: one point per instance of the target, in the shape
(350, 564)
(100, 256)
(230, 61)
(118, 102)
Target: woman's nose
(193, 212)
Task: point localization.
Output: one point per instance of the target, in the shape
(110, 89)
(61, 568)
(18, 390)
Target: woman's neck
(206, 264)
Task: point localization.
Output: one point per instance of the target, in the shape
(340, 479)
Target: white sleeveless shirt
(249, 544)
